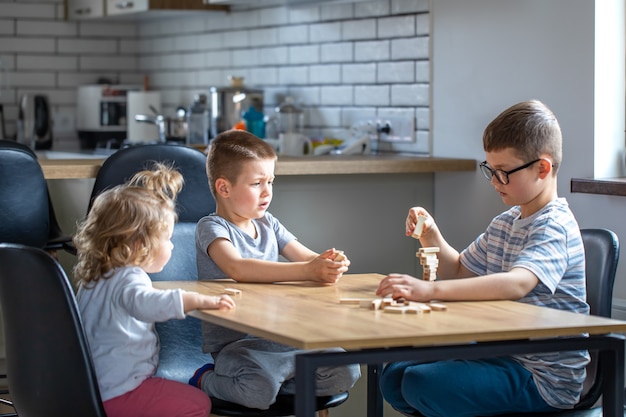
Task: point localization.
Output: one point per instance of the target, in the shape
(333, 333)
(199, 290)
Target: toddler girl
(126, 236)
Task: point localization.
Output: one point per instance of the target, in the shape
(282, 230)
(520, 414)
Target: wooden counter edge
(321, 165)
(606, 186)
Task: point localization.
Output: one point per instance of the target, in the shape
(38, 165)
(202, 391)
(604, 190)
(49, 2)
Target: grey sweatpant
(252, 371)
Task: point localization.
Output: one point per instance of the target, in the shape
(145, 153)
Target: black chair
(26, 211)
(601, 259)
(181, 340)
(47, 350)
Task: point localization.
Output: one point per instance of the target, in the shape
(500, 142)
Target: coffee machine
(34, 127)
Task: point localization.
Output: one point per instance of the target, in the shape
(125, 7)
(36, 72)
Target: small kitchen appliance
(228, 104)
(34, 127)
(101, 113)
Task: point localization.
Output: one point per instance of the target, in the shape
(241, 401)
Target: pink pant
(158, 397)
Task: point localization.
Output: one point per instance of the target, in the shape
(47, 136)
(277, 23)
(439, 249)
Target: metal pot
(229, 103)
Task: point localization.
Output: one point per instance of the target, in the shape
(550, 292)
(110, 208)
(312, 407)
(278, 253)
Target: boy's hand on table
(326, 269)
(405, 286)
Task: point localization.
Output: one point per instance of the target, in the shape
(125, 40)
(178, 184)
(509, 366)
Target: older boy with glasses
(532, 253)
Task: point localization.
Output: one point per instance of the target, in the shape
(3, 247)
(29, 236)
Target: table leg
(613, 374)
(305, 387)
(374, 396)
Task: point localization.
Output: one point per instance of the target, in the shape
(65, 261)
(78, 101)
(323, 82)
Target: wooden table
(310, 316)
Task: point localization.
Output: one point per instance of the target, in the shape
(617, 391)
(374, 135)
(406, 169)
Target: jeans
(461, 388)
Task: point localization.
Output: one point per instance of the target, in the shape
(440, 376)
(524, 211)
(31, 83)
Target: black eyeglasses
(502, 176)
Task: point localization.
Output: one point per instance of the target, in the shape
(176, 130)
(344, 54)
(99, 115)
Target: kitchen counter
(317, 165)
(606, 186)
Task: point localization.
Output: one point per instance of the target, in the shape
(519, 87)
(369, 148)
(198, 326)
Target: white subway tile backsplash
(358, 73)
(358, 29)
(289, 35)
(410, 48)
(422, 24)
(325, 32)
(236, 39)
(303, 14)
(422, 71)
(325, 74)
(340, 11)
(51, 28)
(337, 52)
(107, 30)
(304, 54)
(7, 27)
(87, 46)
(274, 16)
(107, 63)
(396, 27)
(47, 62)
(293, 75)
(21, 10)
(264, 37)
(371, 95)
(337, 95)
(273, 56)
(372, 9)
(372, 51)
(343, 62)
(27, 44)
(409, 6)
(28, 79)
(396, 72)
(306, 96)
(410, 95)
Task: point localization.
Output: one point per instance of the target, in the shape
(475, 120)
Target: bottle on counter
(198, 121)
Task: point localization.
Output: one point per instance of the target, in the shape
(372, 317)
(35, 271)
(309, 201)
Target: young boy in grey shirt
(242, 241)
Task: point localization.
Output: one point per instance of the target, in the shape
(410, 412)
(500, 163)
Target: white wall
(490, 54)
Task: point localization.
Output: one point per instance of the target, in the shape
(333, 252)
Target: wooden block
(438, 306)
(419, 227)
(387, 301)
(376, 304)
(429, 249)
(339, 256)
(414, 310)
(353, 301)
(395, 309)
(232, 291)
(423, 306)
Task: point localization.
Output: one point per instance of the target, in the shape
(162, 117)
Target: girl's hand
(223, 302)
(405, 286)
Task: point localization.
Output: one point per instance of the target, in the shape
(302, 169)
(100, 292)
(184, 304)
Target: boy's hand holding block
(419, 227)
(339, 256)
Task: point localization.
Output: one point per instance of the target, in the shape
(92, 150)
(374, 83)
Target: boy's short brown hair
(530, 128)
(229, 150)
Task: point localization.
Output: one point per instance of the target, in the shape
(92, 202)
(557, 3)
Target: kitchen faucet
(157, 120)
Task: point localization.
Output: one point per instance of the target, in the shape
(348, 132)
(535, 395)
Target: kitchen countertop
(70, 168)
(605, 186)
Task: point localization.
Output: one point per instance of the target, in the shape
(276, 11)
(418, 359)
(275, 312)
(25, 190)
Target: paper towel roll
(139, 102)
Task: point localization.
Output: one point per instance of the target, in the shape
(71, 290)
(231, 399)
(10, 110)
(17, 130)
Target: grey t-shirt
(271, 239)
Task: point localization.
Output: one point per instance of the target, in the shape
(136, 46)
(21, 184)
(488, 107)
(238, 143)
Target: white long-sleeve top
(118, 315)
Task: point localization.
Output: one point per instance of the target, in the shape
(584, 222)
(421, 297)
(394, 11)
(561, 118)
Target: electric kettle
(34, 125)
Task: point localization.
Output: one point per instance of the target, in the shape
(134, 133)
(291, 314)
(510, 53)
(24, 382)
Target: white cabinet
(121, 7)
(84, 9)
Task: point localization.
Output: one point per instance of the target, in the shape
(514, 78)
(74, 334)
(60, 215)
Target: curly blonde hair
(125, 223)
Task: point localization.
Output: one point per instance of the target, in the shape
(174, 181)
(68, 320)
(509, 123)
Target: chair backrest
(49, 365)
(24, 203)
(180, 340)
(601, 259)
(194, 201)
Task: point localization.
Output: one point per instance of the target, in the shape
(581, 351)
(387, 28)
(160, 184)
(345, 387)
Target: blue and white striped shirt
(548, 244)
